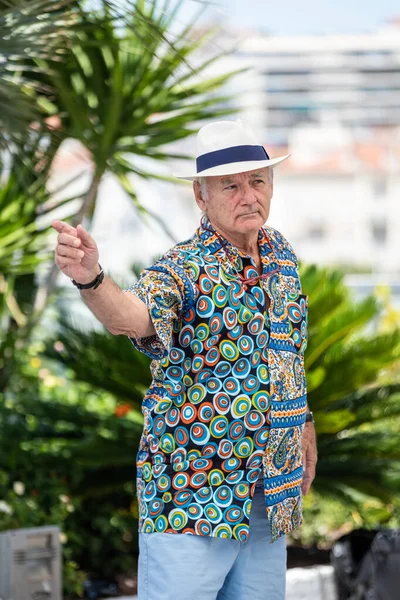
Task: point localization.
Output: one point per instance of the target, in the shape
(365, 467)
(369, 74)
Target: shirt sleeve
(161, 294)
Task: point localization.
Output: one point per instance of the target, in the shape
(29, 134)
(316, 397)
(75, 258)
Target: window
(379, 232)
(287, 73)
(316, 233)
(379, 187)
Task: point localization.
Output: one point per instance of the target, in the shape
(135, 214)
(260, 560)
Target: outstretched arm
(77, 256)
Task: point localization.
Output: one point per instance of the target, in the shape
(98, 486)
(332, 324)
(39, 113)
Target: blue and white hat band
(233, 154)
(226, 148)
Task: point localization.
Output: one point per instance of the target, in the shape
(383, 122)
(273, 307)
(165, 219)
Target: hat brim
(233, 168)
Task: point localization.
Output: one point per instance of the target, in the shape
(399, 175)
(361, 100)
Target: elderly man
(228, 444)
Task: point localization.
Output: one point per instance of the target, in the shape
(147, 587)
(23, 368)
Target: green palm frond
(102, 360)
(355, 414)
(129, 91)
(28, 31)
(353, 365)
(23, 198)
(61, 432)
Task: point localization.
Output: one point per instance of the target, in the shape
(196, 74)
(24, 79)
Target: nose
(248, 195)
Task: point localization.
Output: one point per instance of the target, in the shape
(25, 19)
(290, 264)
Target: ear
(198, 195)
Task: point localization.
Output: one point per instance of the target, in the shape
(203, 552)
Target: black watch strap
(92, 284)
(309, 417)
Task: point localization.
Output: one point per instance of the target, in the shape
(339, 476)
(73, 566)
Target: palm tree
(139, 94)
(24, 200)
(59, 433)
(355, 403)
(126, 91)
(29, 31)
(122, 86)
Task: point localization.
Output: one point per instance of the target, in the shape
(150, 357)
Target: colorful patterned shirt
(227, 402)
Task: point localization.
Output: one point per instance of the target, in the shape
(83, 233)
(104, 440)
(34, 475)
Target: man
(225, 433)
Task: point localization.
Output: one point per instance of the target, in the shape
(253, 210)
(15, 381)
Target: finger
(66, 262)
(69, 252)
(309, 470)
(305, 488)
(309, 455)
(310, 467)
(68, 240)
(306, 484)
(86, 237)
(62, 226)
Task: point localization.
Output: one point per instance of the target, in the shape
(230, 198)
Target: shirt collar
(214, 242)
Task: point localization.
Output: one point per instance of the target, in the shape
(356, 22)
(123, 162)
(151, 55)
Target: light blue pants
(193, 567)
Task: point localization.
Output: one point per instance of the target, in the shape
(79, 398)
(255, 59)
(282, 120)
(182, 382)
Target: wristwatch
(92, 284)
(310, 418)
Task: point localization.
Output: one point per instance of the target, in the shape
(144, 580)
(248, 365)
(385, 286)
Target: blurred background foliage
(112, 77)
(70, 398)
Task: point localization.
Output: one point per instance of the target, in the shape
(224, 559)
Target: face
(237, 204)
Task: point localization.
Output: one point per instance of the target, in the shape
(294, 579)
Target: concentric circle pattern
(208, 415)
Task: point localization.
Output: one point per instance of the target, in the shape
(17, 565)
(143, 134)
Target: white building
(333, 101)
(338, 200)
(351, 80)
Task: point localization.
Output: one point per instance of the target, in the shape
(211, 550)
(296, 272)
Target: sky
(292, 17)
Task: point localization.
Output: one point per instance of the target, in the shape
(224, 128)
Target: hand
(76, 254)
(309, 443)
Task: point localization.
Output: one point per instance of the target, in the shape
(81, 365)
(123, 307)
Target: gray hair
(270, 172)
(202, 181)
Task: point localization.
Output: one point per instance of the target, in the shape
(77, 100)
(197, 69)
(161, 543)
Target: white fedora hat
(228, 147)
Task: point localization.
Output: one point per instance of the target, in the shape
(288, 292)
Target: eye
(230, 187)
(258, 181)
